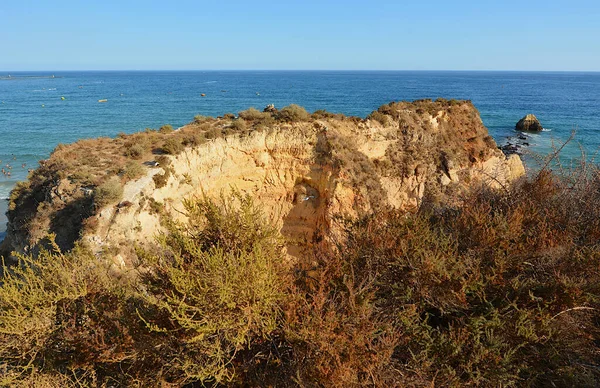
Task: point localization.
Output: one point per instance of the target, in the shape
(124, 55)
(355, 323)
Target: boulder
(529, 123)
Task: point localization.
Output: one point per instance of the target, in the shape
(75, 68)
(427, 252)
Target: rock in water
(529, 123)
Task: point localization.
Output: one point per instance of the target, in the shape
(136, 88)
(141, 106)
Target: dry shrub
(293, 113)
(252, 114)
(133, 170)
(338, 336)
(108, 193)
(64, 319)
(382, 118)
(134, 151)
(166, 129)
(161, 180)
(323, 114)
(257, 118)
(198, 119)
(238, 125)
(499, 291)
(173, 146)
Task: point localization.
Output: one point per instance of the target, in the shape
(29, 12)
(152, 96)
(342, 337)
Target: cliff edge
(305, 169)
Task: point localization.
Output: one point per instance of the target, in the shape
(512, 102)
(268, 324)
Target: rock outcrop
(305, 173)
(529, 123)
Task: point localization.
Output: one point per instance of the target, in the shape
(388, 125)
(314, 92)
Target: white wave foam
(546, 130)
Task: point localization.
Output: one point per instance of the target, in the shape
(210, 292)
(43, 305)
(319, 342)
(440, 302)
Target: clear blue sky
(271, 34)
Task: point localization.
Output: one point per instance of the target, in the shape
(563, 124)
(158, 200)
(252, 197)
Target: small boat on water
(103, 100)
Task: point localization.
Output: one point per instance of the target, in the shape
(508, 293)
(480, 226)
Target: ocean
(42, 109)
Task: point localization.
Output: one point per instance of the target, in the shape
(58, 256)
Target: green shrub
(30, 294)
(108, 193)
(64, 319)
(226, 263)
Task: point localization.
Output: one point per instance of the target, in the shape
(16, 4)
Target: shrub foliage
(501, 291)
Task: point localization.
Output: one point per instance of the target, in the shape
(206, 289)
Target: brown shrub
(134, 151)
(161, 180)
(238, 125)
(133, 170)
(293, 113)
(173, 146)
(382, 118)
(165, 129)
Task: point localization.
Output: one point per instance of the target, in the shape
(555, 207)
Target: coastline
(3, 220)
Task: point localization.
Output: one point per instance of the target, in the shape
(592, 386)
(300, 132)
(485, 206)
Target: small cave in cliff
(306, 219)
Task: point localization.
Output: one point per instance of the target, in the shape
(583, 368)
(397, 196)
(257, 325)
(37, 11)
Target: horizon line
(311, 70)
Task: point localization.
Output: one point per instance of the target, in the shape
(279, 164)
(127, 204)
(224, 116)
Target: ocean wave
(5, 188)
(546, 130)
(210, 82)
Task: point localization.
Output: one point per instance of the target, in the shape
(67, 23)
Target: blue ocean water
(39, 110)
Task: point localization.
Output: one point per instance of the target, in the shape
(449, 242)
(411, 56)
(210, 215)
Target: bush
(134, 151)
(293, 113)
(161, 180)
(200, 119)
(173, 146)
(29, 295)
(258, 118)
(108, 193)
(64, 320)
(382, 118)
(238, 125)
(496, 292)
(133, 170)
(499, 289)
(323, 114)
(252, 114)
(194, 140)
(227, 263)
(165, 129)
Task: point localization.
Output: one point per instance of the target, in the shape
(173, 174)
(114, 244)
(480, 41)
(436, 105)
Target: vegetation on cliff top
(69, 188)
(500, 289)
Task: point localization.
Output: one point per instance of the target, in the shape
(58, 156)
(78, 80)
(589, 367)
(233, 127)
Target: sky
(546, 35)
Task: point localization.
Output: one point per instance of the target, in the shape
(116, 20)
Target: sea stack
(529, 123)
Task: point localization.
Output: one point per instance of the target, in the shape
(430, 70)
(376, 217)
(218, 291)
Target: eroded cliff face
(304, 173)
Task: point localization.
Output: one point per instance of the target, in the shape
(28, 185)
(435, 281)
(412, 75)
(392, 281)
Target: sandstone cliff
(306, 170)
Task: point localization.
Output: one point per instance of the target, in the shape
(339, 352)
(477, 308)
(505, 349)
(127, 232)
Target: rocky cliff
(305, 169)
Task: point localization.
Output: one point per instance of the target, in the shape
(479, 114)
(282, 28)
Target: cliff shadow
(67, 223)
